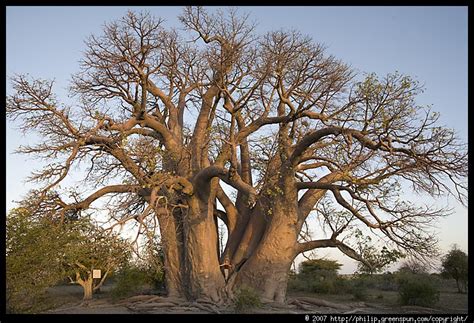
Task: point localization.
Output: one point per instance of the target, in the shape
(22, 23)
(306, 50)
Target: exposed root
(149, 303)
(300, 305)
(206, 307)
(356, 310)
(321, 302)
(138, 298)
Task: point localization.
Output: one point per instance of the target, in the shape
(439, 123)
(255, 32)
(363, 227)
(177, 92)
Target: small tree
(90, 248)
(41, 252)
(319, 267)
(454, 265)
(319, 275)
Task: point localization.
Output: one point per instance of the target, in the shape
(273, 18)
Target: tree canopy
(169, 126)
(455, 265)
(310, 267)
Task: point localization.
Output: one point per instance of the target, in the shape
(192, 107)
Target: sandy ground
(70, 297)
(70, 302)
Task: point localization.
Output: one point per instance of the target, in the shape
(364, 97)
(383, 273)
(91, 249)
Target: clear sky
(428, 43)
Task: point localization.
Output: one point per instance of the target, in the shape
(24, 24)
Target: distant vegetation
(411, 282)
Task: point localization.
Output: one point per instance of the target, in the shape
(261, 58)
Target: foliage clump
(31, 265)
(130, 281)
(455, 265)
(145, 275)
(246, 299)
(417, 289)
(375, 261)
(359, 289)
(318, 276)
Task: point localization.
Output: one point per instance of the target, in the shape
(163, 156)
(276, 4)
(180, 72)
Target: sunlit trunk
(204, 278)
(171, 247)
(266, 271)
(87, 286)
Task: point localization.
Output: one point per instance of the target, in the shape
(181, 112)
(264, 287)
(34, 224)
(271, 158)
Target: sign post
(96, 273)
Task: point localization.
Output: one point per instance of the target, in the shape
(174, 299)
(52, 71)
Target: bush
(324, 286)
(246, 299)
(320, 282)
(455, 265)
(297, 284)
(359, 289)
(388, 282)
(318, 276)
(328, 285)
(130, 281)
(28, 303)
(417, 289)
(32, 262)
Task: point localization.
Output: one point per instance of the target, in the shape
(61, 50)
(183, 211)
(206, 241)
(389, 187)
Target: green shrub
(29, 304)
(417, 289)
(318, 276)
(341, 285)
(359, 287)
(318, 267)
(359, 292)
(324, 286)
(246, 299)
(129, 281)
(388, 282)
(320, 284)
(297, 284)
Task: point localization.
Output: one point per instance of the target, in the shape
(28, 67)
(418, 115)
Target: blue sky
(428, 43)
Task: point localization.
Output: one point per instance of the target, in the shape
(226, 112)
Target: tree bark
(86, 284)
(203, 276)
(172, 248)
(266, 271)
(87, 289)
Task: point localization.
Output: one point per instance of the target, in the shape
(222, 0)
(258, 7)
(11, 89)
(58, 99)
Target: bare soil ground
(67, 299)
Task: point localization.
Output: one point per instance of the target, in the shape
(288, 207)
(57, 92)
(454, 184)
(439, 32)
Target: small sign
(96, 273)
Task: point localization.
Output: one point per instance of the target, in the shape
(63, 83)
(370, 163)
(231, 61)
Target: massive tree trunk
(204, 278)
(171, 243)
(266, 271)
(268, 266)
(189, 239)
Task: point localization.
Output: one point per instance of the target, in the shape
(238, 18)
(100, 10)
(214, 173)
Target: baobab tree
(176, 130)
